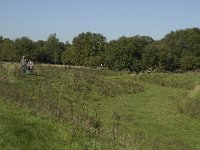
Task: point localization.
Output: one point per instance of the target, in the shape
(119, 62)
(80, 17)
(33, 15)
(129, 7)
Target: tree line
(178, 50)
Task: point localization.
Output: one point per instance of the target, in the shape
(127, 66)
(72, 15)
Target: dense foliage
(178, 50)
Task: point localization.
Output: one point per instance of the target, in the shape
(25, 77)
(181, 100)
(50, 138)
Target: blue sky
(37, 19)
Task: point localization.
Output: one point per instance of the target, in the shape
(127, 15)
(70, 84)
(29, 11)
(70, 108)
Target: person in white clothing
(30, 66)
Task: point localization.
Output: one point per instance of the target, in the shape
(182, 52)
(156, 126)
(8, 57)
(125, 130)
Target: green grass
(174, 80)
(144, 112)
(20, 130)
(68, 108)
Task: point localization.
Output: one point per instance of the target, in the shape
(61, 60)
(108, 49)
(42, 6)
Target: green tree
(24, 46)
(67, 56)
(87, 46)
(158, 56)
(7, 50)
(183, 43)
(189, 61)
(52, 50)
(41, 54)
(126, 52)
(1, 39)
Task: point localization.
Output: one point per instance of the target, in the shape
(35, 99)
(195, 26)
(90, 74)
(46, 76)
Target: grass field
(77, 108)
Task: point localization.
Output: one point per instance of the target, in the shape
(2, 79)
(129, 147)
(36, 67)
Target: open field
(77, 108)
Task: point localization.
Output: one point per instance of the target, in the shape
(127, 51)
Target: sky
(37, 19)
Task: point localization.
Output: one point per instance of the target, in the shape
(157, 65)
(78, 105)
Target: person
(30, 66)
(23, 65)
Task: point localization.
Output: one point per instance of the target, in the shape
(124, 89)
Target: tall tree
(86, 47)
(185, 46)
(7, 50)
(41, 55)
(24, 46)
(52, 49)
(126, 52)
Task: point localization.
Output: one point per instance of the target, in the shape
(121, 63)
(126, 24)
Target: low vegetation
(79, 108)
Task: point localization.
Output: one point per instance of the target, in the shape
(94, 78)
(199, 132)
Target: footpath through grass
(68, 108)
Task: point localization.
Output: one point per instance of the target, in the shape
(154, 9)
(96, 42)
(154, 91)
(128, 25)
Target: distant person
(23, 65)
(30, 66)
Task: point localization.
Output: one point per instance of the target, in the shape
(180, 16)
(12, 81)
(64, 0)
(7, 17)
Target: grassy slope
(20, 130)
(150, 115)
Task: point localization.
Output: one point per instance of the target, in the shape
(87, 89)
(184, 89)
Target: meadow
(87, 108)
